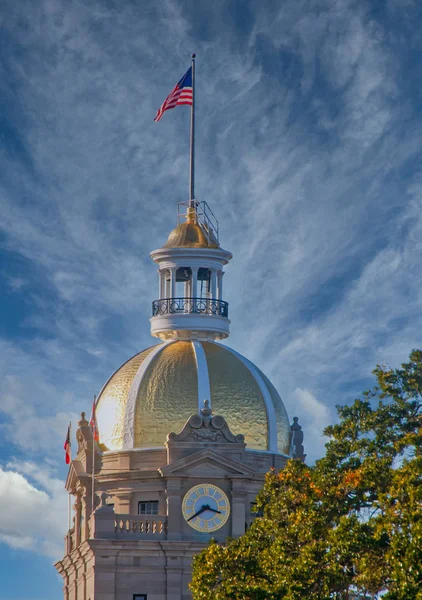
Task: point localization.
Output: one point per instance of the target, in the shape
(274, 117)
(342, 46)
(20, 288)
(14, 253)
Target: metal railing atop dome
(205, 217)
(189, 306)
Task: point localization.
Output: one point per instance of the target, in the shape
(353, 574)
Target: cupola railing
(204, 216)
(189, 306)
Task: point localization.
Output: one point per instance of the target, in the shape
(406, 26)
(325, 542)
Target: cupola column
(213, 289)
(162, 284)
(220, 275)
(167, 284)
(172, 283)
(194, 283)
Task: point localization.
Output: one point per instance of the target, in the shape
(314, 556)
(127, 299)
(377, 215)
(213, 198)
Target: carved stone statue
(297, 448)
(83, 434)
(206, 413)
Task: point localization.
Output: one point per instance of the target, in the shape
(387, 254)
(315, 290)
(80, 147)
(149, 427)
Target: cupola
(191, 263)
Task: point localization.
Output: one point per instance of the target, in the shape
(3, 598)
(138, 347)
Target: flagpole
(93, 465)
(69, 502)
(192, 140)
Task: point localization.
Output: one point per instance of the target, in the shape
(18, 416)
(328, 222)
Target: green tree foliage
(350, 523)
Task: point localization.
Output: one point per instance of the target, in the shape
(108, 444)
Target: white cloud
(313, 416)
(317, 411)
(32, 518)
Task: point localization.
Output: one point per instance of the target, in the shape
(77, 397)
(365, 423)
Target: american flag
(182, 94)
(93, 422)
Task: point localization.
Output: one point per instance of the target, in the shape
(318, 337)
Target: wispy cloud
(308, 148)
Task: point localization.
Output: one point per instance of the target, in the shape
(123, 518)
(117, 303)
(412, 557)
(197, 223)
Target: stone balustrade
(149, 527)
(105, 524)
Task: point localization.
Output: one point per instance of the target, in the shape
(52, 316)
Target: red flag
(93, 422)
(67, 446)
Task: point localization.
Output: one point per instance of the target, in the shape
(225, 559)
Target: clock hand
(203, 509)
(213, 510)
(200, 511)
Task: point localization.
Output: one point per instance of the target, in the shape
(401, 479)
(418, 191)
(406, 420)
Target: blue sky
(308, 151)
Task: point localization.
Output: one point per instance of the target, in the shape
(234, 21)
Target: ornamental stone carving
(205, 427)
(203, 435)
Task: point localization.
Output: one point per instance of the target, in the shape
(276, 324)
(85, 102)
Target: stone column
(124, 503)
(162, 504)
(85, 513)
(238, 508)
(72, 589)
(174, 510)
(101, 523)
(68, 543)
(66, 587)
(174, 579)
(82, 585)
(90, 583)
(78, 509)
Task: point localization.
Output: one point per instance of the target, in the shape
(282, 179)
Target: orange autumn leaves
(303, 481)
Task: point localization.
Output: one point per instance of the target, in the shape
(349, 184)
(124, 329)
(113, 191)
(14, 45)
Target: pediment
(205, 427)
(206, 463)
(77, 473)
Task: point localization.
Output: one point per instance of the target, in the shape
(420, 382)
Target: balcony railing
(189, 306)
(135, 525)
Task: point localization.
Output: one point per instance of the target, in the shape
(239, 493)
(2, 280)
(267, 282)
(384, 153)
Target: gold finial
(191, 215)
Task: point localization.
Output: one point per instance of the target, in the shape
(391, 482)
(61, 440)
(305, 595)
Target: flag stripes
(181, 95)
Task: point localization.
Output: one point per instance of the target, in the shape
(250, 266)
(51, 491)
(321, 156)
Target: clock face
(205, 507)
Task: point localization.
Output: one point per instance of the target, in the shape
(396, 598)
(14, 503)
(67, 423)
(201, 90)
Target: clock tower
(187, 430)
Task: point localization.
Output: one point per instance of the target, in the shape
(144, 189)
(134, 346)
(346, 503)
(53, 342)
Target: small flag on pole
(182, 94)
(67, 446)
(93, 422)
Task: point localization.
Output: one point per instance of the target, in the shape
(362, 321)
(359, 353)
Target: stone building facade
(188, 430)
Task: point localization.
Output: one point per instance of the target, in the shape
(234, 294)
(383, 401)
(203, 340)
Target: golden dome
(189, 235)
(157, 390)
